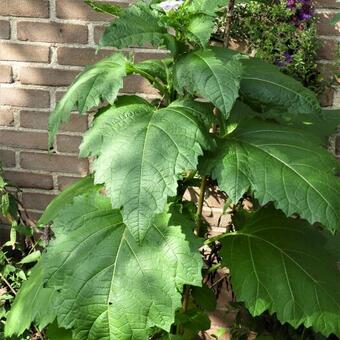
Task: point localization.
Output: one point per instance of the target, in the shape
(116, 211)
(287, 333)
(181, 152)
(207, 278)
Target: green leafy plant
(282, 32)
(16, 254)
(124, 261)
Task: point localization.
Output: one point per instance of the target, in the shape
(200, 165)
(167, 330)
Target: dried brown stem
(228, 22)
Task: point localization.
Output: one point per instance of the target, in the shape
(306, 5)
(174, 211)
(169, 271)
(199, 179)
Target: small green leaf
(33, 303)
(208, 7)
(104, 8)
(200, 28)
(33, 257)
(281, 264)
(97, 82)
(145, 29)
(158, 69)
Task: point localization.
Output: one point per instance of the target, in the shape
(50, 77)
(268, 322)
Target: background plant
(17, 254)
(283, 33)
(124, 262)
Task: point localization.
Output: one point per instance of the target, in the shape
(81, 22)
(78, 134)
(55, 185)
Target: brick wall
(43, 45)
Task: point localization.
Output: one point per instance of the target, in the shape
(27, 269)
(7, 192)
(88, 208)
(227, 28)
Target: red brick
(98, 32)
(138, 84)
(65, 181)
(24, 8)
(29, 180)
(39, 120)
(52, 32)
(33, 215)
(69, 144)
(24, 97)
(324, 26)
(326, 3)
(327, 97)
(53, 162)
(7, 158)
(77, 9)
(213, 198)
(328, 49)
(146, 55)
(36, 201)
(23, 52)
(6, 117)
(5, 29)
(46, 76)
(80, 57)
(5, 74)
(24, 139)
(337, 145)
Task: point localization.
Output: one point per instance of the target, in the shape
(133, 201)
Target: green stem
(200, 206)
(303, 334)
(158, 85)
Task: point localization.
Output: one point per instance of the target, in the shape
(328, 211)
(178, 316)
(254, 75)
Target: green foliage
(271, 30)
(101, 81)
(124, 262)
(201, 73)
(301, 267)
(183, 136)
(270, 160)
(16, 258)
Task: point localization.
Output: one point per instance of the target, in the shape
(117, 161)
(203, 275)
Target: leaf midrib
(282, 252)
(305, 98)
(290, 168)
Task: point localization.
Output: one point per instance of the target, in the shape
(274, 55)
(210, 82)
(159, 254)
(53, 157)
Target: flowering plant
(282, 32)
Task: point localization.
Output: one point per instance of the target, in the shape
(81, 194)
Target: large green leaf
(120, 288)
(265, 84)
(137, 25)
(201, 73)
(66, 197)
(32, 304)
(97, 82)
(321, 126)
(278, 164)
(281, 264)
(141, 153)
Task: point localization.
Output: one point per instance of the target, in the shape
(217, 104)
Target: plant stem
(8, 284)
(186, 298)
(228, 21)
(200, 206)
(185, 306)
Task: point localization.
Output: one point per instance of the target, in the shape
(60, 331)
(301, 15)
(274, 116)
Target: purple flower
(285, 60)
(170, 5)
(288, 57)
(302, 10)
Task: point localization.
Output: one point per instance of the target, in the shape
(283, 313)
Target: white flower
(170, 5)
